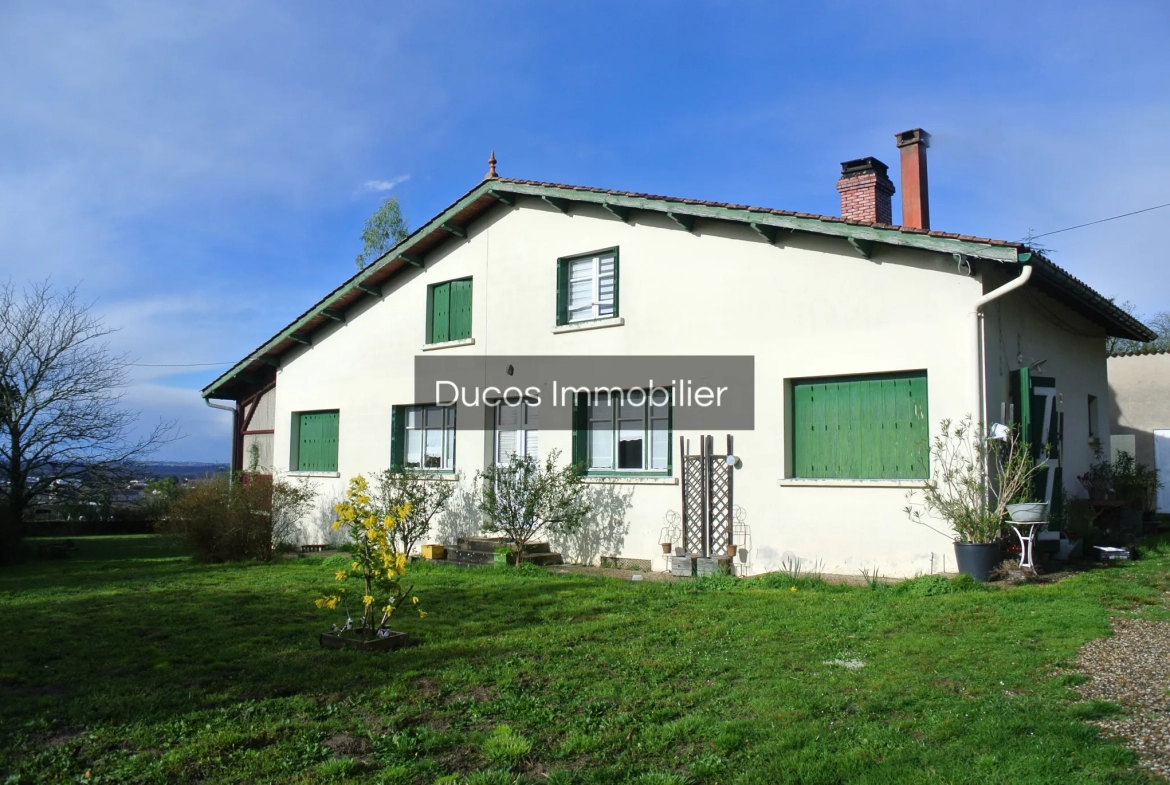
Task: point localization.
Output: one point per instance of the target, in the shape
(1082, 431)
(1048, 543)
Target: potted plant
(961, 492)
(377, 568)
(666, 546)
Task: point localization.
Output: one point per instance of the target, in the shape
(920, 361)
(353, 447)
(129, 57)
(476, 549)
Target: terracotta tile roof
(1140, 353)
(770, 211)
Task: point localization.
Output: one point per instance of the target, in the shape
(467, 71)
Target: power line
(175, 365)
(1103, 220)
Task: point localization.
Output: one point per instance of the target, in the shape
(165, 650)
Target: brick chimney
(865, 191)
(915, 198)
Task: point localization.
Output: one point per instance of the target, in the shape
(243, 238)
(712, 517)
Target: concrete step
(489, 545)
(481, 544)
(481, 559)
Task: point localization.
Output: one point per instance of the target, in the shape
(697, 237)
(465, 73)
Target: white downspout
(977, 314)
(231, 409)
(219, 406)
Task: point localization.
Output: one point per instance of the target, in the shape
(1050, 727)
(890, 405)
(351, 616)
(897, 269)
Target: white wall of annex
(1027, 328)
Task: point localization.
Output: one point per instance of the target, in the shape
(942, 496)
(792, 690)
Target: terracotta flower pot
(732, 549)
(666, 548)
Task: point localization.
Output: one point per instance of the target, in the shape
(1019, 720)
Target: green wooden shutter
(397, 436)
(580, 430)
(440, 313)
(873, 427)
(563, 292)
(918, 438)
(317, 448)
(460, 310)
(617, 286)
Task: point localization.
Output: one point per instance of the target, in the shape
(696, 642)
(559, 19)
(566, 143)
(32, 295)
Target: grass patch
(130, 662)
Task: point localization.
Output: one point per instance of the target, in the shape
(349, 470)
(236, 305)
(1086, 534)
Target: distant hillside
(179, 469)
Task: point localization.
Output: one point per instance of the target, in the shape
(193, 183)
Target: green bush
(234, 519)
(931, 585)
(926, 586)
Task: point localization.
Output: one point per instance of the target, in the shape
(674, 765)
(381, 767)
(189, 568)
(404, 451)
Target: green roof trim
(769, 224)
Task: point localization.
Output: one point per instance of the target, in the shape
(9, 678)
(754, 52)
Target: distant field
(128, 663)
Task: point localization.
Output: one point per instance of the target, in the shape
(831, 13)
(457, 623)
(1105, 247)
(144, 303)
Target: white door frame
(1162, 466)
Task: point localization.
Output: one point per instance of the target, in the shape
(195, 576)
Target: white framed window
(517, 430)
(430, 437)
(628, 433)
(588, 287)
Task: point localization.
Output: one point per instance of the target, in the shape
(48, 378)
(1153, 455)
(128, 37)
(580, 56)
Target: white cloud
(386, 185)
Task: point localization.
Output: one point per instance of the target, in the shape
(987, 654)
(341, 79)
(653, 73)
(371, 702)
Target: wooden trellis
(707, 498)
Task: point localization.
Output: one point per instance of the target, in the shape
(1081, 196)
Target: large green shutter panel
(440, 312)
(460, 310)
(863, 428)
(317, 448)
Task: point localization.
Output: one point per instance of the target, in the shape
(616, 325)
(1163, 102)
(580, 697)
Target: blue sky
(203, 169)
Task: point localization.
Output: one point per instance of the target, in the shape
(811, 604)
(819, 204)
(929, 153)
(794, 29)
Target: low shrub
(926, 586)
(931, 585)
(237, 518)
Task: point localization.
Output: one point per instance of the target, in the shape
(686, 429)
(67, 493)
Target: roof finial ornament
(491, 175)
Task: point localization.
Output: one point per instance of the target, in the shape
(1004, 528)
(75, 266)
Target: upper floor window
(587, 287)
(449, 311)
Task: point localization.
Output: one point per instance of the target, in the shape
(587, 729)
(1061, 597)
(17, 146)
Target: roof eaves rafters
(770, 224)
(365, 282)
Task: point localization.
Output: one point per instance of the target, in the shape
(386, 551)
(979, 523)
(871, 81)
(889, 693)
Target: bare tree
(1158, 322)
(61, 389)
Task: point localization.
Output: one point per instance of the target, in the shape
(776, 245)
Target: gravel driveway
(1133, 669)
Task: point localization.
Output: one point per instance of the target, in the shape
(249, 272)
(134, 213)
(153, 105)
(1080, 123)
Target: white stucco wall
(810, 308)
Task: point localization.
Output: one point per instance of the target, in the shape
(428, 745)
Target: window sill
(438, 475)
(313, 474)
(628, 479)
(430, 347)
(795, 482)
(592, 324)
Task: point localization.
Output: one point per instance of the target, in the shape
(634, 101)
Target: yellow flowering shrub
(376, 566)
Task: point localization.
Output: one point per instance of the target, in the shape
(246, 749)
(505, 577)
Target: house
(861, 334)
(1139, 412)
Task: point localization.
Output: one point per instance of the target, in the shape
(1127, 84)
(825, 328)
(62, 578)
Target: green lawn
(130, 663)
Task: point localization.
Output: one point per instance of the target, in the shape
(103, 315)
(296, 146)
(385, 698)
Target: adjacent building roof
(1140, 353)
(772, 226)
